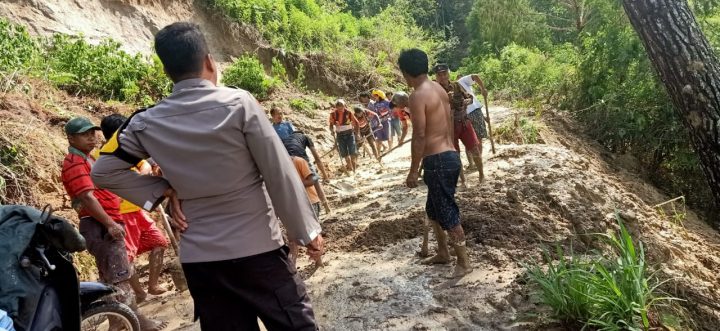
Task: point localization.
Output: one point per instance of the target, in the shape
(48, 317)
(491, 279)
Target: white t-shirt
(467, 84)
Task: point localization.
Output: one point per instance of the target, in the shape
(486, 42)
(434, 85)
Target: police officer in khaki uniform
(229, 180)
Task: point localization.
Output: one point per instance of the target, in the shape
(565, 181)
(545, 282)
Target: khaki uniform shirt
(218, 150)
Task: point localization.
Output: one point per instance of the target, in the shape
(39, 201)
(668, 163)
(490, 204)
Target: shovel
(487, 112)
(176, 271)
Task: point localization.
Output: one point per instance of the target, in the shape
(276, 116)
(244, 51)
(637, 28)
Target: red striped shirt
(76, 179)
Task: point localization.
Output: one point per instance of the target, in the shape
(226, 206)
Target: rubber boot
(443, 255)
(462, 267)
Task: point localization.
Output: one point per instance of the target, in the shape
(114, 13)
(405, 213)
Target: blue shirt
(6, 324)
(284, 129)
(382, 108)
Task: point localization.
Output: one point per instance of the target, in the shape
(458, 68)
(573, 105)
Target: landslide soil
(534, 197)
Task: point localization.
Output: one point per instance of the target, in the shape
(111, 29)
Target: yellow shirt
(126, 207)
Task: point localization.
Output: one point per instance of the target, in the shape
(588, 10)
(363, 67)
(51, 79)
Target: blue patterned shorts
(440, 174)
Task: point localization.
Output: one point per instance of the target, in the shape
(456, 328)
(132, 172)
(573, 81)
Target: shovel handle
(487, 112)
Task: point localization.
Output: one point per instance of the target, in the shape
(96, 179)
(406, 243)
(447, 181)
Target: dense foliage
(73, 64)
(583, 56)
(247, 73)
(368, 43)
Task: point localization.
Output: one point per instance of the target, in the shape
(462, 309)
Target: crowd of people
(230, 176)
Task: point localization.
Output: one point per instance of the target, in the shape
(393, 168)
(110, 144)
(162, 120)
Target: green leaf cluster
(366, 43)
(247, 73)
(77, 66)
(610, 292)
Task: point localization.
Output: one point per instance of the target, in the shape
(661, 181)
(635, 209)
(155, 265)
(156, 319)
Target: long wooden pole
(176, 271)
(490, 135)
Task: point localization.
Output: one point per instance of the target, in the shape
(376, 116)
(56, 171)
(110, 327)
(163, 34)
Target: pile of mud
(375, 236)
(535, 197)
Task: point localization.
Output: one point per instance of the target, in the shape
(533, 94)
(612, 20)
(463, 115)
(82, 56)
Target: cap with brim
(379, 94)
(440, 67)
(79, 125)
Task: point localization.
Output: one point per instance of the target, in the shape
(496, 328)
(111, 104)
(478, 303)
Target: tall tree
(690, 71)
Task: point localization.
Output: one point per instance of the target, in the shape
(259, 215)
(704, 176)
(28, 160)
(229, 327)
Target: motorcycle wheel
(98, 318)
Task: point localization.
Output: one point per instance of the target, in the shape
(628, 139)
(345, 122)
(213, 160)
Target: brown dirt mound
(335, 232)
(379, 234)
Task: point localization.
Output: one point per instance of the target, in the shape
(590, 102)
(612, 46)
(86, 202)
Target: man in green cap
(99, 213)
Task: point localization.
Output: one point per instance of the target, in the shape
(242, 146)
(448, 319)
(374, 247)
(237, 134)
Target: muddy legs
(128, 297)
(140, 294)
(156, 264)
(457, 239)
(479, 164)
(443, 255)
(424, 250)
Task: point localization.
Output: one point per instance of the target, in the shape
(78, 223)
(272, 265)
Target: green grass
(523, 130)
(610, 292)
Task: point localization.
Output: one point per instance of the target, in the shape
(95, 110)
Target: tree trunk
(690, 71)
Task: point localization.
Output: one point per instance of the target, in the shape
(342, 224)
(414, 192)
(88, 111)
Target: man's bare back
(430, 101)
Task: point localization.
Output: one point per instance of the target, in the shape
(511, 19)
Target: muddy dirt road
(534, 196)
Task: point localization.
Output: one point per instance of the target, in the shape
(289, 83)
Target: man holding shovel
(474, 108)
(465, 129)
(344, 127)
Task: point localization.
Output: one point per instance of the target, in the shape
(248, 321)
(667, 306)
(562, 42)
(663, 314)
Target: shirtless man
(432, 143)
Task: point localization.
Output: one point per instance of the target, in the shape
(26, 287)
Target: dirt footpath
(534, 197)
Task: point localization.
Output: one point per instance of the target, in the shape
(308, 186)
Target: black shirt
(297, 143)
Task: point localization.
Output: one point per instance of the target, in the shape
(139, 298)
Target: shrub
(17, 48)
(73, 64)
(521, 72)
(612, 292)
(278, 70)
(523, 130)
(247, 73)
(305, 106)
(349, 42)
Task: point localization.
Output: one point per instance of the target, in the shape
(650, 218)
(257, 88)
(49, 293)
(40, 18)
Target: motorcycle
(53, 297)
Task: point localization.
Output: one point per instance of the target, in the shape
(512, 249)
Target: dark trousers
(233, 294)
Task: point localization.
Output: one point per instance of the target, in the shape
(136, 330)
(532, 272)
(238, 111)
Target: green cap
(79, 125)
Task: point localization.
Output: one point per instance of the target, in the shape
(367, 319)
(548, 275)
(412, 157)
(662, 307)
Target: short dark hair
(110, 124)
(413, 62)
(364, 95)
(182, 49)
